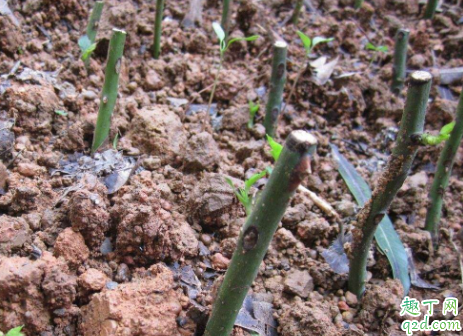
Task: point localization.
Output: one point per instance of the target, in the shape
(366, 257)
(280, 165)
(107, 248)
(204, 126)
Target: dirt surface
(148, 258)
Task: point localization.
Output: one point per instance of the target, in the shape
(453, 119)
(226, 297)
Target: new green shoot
(444, 134)
(224, 45)
(275, 148)
(244, 194)
(309, 44)
(86, 47)
(376, 49)
(13, 332)
(253, 109)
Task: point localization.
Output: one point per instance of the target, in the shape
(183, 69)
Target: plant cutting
(277, 86)
(430, 10)
(443, 171)
(390, 181)
(400, 60)
(224, 45)
(358, 4)
(259, 229)
(110, 88)
(297, 11)
(158, 28)
(87, 42)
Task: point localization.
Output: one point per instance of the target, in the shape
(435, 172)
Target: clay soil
(147, 259)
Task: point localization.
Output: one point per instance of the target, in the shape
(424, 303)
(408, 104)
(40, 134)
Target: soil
(148, 258)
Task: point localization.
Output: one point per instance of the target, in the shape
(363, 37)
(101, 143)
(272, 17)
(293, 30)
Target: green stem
(110, 88)
(226, 14)
(158, 28)
(297, 11)
(258, 231)
(442, 175)
(400, 60)
(358, 4)
(431, 7)
(398, 167)
(214, 86)
(277, 85)
(92, 26)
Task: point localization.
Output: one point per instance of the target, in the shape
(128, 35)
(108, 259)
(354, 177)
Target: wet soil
(148, 258)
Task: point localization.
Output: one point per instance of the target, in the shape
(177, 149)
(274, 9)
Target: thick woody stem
(158, 28)
(259, 229)
(442, 176)
(110, 88)
(391, 180)
(277, 85)
(400, 60)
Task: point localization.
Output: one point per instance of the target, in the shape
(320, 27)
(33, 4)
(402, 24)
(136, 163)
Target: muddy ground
(148, 258)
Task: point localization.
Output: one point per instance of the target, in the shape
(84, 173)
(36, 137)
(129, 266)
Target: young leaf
(61, 113)
(444, 134)
(253, 179)
(447, 129)
(387, 238)
(306, 41)
(220, 34)
(115, 141)
(86, 53)
(241, 194)
(320, 39)
(84, 43)
(248, 39)
(253, 108)
(370, 46)
(15, 332)
(276, 148)
(382, 48)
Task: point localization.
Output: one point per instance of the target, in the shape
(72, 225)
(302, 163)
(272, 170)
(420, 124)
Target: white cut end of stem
(421, 77)
(301, 136)
(115, 30)
(281, 44)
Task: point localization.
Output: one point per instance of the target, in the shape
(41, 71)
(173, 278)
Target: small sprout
(309, 43)
(13, 332)
(444, 134)
(86, 46)
(276, 148)
(243, 194)
(253, 109)
(381, 48)
(61, 113)
(224, 45)
(116, 140)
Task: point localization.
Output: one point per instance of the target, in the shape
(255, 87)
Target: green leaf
(61, 113)
(115, 141)
(447, 129)
(86, 54)
(306, 41)
(253, 108)
(253, 179)
(387, 238)
(15, 332)
(248, 39)
(276, 148)
(382, 48)
(242, 196)
(320, 39)
(84, 43)
(370, 46)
